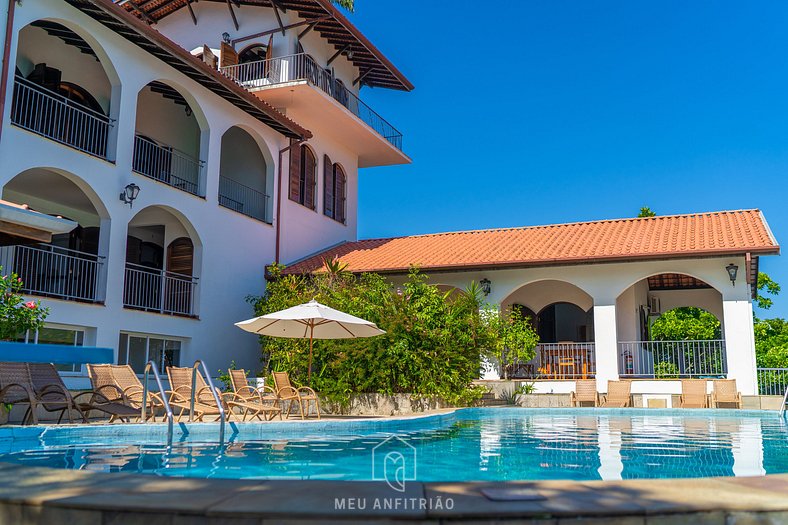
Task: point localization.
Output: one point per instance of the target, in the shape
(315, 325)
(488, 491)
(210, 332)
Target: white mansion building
(194, 143)
(237, 130)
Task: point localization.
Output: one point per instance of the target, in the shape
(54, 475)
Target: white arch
(508, 298)
(194, 104)
(646, 275)
(182, 219)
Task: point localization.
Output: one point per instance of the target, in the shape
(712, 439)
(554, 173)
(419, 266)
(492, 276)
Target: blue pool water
(468, 445)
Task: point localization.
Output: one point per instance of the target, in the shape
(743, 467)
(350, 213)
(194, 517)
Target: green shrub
(432, 346)
(16, 315)
(666, 370)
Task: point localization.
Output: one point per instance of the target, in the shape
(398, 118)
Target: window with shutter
(308, 178)
(340, 188)
(295, 172)
(328, 187)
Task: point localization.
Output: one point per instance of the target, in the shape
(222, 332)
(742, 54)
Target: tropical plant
(432, 345)
(16, 315)
(666, 370)
(685, 323)
(645, 211)
(771, 343)
(511, 339)
(224, 377)
(766, 286)
(347, 4)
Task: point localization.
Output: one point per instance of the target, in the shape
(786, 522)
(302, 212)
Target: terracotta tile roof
(701, 234)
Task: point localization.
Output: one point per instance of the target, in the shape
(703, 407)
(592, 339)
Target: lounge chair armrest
(54, 388)
(116, 392)
(11, 386)
(287, 391)
(95, 397)
(306, 390)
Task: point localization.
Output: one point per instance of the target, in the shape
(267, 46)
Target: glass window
(49, 335)
(137, 350)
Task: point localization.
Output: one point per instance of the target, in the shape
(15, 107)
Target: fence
(243, 199)
(558, 361)
(158, 290)
(166, 164)
(772, 381)
(672, 359)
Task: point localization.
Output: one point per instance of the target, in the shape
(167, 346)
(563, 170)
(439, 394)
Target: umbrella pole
(309, 371)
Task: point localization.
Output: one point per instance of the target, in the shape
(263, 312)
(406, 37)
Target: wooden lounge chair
(181, 392)
(693, 394)
(619, 394)
(259, 403)
(724, 392)
(53, 396)
(302, 396)
(585, 392)
(120, 384)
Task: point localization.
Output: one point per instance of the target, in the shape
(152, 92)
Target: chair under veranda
(303, 396)
(725, 392)
(619, 394)
(261, 403)
(584, 393)
(693, 394)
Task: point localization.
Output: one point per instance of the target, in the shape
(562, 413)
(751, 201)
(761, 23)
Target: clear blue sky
(545, 112)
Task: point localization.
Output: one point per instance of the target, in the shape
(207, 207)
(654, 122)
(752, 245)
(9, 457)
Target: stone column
(606, 343)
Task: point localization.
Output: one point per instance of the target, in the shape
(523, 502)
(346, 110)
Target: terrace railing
(672, 359)
(292, 68)
(243, 199)
(159, 291)
(53, 116)
(167, 164)
(772, 381)
(51, 271)
(558, 361)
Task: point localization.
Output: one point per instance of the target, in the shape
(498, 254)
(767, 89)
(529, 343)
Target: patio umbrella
(311, 320)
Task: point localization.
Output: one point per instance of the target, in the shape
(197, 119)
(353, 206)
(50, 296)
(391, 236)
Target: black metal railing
(243, 199)
(51, 115)
(292, 68)
(167, 164)
(567, 360)
(672, 359)
(159, 291)
(772, 381)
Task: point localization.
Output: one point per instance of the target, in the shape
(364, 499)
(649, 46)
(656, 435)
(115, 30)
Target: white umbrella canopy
(311, 320)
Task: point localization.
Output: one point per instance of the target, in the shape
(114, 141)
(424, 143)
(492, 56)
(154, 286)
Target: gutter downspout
(279, 195)
(9, 33)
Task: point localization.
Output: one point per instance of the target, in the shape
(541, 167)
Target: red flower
(31, 304)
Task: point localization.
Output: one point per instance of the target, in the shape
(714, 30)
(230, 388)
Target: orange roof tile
(695, 235)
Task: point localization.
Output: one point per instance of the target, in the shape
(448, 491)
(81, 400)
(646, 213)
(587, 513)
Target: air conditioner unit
(653, 305)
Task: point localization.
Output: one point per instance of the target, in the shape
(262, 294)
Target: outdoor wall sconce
(226, 37)
(129, 194)
(732, 271)
(486, 286)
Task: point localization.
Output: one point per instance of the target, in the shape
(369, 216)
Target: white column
(740, 344)
(605, 343)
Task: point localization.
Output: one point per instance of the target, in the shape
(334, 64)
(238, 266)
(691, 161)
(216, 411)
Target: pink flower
(31, 304)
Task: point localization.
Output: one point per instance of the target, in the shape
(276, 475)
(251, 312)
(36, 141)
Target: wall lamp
(129, 194)
(226, 37)
(486, 286)
(732, 271)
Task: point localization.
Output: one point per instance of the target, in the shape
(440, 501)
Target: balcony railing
(243, 199)
(558, 361)
(292, 68)
(51, 271)
(672, 359)
(53, 116)
(166, 164)
(772, 381)
(159, 291)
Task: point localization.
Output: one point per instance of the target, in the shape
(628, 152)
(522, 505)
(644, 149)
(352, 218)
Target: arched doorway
(168, 137)
(243, 176)
(160, 263)
(61, 89)
(669, 327)
(562, 314)
(71, 266)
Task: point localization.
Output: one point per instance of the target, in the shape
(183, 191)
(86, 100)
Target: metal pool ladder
(785, 402)
(197, 364)
(148, 367)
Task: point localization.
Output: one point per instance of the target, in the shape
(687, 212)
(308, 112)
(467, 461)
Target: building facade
(193, 144)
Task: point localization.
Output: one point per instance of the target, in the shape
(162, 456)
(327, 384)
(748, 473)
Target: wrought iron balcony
(243, 199)
(300, 67)
(166, 164)
(53, 116)
(158, 291)
(672, 359)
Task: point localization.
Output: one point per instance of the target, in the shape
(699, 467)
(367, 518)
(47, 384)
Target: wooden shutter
(328, 187)
(295, 172)
(208, 57)
(228, 56)
(310, 172)
(180, 256)
(340, 189)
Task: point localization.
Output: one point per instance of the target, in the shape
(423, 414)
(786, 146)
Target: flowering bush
(16, 315)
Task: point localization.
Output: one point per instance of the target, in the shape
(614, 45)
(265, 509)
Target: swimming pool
(502, 444)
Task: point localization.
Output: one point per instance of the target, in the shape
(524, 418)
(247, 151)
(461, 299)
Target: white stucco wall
(233, 249)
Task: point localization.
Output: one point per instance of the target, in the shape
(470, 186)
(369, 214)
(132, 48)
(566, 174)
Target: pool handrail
(216, 397)
(785, 402)
(151, 365)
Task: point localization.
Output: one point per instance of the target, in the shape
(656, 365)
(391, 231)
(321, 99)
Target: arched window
(253, 53)
(303, 175)
(334, 190)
